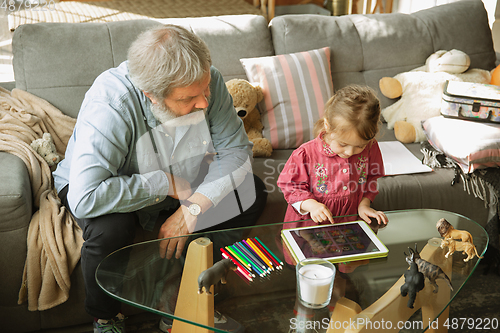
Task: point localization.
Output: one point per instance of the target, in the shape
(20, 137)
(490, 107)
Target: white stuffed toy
(46, 148)
(421, 91)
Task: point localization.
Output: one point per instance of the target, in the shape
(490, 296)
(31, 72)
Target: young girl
(336, 173)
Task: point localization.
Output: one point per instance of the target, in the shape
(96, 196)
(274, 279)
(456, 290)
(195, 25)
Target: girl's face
(345, 144)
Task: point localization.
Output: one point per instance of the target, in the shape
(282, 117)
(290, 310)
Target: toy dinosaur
(430, 271)
(414, 281)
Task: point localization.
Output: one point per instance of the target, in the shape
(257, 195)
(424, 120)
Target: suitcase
(471, 101)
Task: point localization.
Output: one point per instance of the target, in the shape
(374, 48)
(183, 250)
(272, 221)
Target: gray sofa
(59, 61)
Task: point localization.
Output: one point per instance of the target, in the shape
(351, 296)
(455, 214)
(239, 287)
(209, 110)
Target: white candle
(315, 283)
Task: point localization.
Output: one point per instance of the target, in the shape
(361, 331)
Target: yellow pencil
(259, 252)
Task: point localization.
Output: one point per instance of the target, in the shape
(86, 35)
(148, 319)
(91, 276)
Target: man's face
(183, 100)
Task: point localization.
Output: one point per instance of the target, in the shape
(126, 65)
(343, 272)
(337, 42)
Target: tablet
(338, 242)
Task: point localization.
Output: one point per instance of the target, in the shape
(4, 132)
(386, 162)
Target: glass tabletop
(138, 276)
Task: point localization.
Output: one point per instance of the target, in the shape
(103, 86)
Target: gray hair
(167, 57)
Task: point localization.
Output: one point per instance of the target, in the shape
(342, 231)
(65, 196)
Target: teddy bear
(46, 148)
(245, 99)
(421, 92)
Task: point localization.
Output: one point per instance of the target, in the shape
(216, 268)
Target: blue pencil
(252, 264)
(242, 247)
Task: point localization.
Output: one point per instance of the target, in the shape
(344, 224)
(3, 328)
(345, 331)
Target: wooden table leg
(392, 308)
(190, 305)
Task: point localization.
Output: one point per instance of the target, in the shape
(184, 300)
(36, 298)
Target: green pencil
(254, 266)
(237, 256)
(267, 249)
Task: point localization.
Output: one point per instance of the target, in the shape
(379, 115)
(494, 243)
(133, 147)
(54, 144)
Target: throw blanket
(54, 239)
(483, 184)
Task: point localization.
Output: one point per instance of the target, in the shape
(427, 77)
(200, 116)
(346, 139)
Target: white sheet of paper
(398, 160)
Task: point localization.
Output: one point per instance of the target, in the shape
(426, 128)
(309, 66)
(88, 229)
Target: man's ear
(148, 95)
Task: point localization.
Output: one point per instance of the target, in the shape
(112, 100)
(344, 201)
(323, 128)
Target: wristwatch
(193, 208)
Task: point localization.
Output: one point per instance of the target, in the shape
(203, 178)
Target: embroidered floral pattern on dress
(361, 167)
(326, 147)
(320, 172)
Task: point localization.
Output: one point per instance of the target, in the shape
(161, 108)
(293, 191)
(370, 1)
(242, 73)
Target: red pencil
(229, 256)
(241, 271)
(257, 243)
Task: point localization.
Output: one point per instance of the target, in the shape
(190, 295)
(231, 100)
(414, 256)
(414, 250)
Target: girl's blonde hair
(352, 107)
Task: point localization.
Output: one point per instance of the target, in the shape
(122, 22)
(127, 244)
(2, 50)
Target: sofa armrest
(9, 85)
(15, 193)
(15, 215)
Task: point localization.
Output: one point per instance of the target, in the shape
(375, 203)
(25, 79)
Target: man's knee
(111, 231)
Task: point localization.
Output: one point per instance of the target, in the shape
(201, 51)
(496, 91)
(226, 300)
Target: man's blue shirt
(110, 162)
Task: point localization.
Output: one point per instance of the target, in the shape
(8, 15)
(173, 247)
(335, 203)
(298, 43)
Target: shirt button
(157, 199)
(166, 134)
(344, 170)
(204, 142)
(345, 188)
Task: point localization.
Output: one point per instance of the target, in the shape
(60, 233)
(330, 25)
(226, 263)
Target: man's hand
(318, 211)
(179, 187)
(175, 225)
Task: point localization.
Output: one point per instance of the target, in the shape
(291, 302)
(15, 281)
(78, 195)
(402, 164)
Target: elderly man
(157, 134)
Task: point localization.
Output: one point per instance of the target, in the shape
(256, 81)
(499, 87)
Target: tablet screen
(335, 242)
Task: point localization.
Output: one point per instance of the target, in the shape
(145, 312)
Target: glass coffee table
(366, 294)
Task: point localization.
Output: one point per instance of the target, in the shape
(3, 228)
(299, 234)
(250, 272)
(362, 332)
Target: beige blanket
(54, 239)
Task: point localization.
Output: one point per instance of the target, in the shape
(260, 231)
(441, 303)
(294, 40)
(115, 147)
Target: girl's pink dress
(313, 171)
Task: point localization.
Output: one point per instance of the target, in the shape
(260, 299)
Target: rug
(120, 10)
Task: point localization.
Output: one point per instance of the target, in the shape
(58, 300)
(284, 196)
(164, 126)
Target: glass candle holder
(315, 282)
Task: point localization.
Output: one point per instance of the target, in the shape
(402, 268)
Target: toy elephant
(214, 274)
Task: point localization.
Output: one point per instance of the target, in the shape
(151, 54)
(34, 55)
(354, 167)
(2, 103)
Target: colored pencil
(276, 263)
(266, 260)
(252, 264)
(244, 277)
(236, 262)
(236, 255)
(270, 252)
(239, 268)
(251, 255)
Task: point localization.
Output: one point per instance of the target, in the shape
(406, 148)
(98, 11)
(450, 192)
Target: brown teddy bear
(245, 99)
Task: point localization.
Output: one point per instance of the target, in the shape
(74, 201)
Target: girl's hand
(318, 211)
(366, 212)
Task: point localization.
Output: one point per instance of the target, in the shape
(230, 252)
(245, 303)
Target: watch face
(194, 209)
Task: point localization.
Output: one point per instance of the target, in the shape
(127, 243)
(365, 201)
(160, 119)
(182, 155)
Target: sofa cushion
(296, 87)
(473, 145)
(366, 48)
(59, 61)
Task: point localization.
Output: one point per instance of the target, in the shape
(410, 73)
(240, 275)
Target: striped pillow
(296, 87)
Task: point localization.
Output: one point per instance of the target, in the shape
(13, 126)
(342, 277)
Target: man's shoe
(221, 322)
(115, 325)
